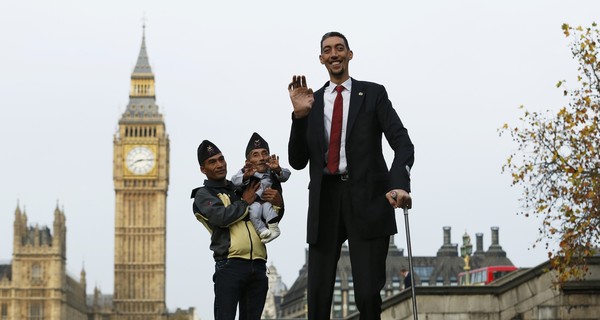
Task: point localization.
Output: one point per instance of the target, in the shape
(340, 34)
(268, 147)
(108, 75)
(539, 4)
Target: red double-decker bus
(483, 276)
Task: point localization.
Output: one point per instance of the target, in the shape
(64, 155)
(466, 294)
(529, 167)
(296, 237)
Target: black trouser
(243, 282)
(367, 256)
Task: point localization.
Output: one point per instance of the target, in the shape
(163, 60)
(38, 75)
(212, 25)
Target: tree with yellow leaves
(557, 163)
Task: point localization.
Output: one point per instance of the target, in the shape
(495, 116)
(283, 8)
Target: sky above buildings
(455, 71)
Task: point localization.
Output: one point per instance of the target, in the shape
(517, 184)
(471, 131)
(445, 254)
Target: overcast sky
(455, 71)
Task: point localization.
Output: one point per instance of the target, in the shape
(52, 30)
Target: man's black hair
(334, 34)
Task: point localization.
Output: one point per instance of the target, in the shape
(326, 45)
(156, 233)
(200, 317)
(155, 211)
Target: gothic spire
(18, 209)
(143, 65)
(142, 100)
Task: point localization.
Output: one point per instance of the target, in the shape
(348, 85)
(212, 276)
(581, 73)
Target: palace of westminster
(36, 286)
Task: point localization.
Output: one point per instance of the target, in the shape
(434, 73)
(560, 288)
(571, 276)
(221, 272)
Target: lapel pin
(360, 93)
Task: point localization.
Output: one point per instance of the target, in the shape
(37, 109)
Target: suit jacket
(407, 281)
(370, 116)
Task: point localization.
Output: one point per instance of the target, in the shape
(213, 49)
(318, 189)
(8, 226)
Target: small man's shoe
(275, 232)
(265, 234)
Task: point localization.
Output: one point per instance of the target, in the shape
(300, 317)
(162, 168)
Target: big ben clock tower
(141, 177)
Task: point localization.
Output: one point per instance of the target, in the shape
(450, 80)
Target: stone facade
(526, 294)
(36, 285)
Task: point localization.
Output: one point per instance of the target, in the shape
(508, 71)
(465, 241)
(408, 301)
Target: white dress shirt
(329, 98)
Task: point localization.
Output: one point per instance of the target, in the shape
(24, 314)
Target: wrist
(300, 114)
(249, 199)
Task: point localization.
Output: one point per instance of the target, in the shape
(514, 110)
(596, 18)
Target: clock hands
(139, 160)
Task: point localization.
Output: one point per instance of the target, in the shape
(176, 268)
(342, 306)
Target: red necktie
(335, 136)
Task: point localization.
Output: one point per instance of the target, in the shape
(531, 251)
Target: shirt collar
(347, 85)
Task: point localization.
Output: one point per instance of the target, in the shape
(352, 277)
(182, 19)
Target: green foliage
(558, 163)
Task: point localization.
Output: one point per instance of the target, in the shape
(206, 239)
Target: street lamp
(465, 251)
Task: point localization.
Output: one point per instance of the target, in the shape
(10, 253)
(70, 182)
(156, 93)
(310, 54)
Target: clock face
(140, 160)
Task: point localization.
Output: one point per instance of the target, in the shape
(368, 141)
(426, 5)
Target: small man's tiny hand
(399, 198)
(274, 164)
(301, 95)
(249, 170)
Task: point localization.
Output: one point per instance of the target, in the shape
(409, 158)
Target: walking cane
(410, 265)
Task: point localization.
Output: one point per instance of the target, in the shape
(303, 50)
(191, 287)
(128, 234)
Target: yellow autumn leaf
(565, 27)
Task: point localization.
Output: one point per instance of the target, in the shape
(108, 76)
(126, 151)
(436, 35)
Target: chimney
(495, 236)
(448, 249)
(495, 248)
(393, 250)
(446, 235)
(479, 245)
(305, 256)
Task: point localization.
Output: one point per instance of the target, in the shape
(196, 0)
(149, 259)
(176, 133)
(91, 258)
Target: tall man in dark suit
(352, 194)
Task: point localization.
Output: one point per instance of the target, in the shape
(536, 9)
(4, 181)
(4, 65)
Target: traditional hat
(256, 142)
(206, 150)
